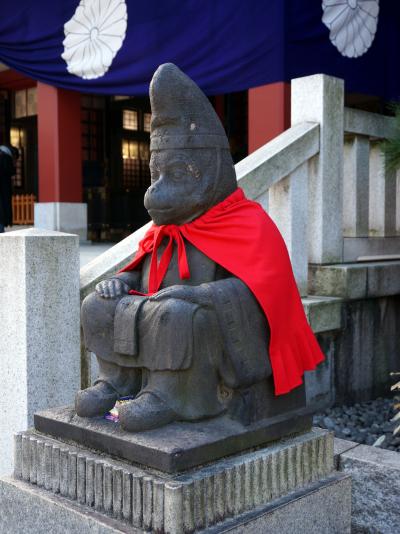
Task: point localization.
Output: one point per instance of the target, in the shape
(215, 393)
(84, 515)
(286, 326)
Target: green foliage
(391, 147)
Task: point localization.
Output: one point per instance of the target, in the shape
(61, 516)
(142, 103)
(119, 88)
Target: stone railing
(370, 206)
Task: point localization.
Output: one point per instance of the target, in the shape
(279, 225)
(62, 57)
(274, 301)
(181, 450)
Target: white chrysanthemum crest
(93, 37)
(352, 24)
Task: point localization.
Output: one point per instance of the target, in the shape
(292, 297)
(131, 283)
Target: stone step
(355, 280)
(324, 314)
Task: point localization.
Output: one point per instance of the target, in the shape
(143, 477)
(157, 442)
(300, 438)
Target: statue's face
(182, 184)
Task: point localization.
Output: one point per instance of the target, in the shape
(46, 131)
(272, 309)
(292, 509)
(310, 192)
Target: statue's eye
(177, 171)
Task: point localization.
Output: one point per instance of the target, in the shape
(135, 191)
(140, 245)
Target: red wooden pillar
(60, 204)
(268, 113)
(219, 107)
(59, 144)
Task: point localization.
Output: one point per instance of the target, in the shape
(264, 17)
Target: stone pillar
(39, 328)
(60, 204)
(320, 98)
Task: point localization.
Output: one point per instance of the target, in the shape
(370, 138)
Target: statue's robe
(222, 341)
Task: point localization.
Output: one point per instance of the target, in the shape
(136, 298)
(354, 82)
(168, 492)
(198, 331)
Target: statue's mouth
(160, 210)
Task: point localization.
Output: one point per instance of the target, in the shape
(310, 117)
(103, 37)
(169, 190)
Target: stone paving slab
(339, 447)
(375, 474)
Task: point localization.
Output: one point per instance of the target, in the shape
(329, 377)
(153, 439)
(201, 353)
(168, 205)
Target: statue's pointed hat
(182, 116)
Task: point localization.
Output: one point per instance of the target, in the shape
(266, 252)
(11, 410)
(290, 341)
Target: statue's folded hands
(112, 288)
(196, 294)
(119, 284)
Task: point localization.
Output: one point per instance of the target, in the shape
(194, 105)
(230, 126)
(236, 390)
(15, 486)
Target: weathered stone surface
(384, 278)
(357, 121)
(323, 313)
(197, 498)
(319, 98)
(376, 488)
(313, 510)
(371, 248)
(320, 385)
(287, 199)
(325, 508)
(39, 318)
(382, 186)
(355, 186)
(175, 447)
(341, 446)
(355, 280)
(345, 280)
(367, 349)
(273, 161)
(33, 510)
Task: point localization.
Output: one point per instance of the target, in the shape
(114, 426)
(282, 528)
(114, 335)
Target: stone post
(288, 208)
(320, 98)
(39, 328)
(356, 187)
(382, 201)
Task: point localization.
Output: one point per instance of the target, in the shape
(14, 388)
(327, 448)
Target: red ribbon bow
(158, 269)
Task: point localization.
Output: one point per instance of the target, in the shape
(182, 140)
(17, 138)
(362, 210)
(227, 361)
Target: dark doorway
(129, 133)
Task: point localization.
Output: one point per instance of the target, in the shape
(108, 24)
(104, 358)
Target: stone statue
(175, 329)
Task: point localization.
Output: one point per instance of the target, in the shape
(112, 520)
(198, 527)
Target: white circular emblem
(93, 37)
(352, 24)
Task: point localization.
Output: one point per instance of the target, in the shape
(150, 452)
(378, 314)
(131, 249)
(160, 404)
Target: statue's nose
(152, 189)
(156, 186)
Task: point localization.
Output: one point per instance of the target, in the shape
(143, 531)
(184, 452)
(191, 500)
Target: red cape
(240, 236)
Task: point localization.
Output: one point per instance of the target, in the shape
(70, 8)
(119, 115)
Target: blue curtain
(224, 45)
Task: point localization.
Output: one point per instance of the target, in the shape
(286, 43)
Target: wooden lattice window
(25, 103)
(130, 119)
(3, 117)
(146, 122)
(92, 120)
(17, 140)
(135, 164)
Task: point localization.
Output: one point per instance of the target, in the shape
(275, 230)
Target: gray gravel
(364, 422)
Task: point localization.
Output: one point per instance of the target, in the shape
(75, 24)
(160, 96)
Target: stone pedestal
(70, 217)
(287, 487)
(176, 447)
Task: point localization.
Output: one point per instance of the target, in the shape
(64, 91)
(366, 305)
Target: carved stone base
(199, 499)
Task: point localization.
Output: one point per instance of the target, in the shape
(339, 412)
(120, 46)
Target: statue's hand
(196, 294)
(112, 288)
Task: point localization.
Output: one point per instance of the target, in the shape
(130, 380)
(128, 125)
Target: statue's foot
(144, 413)
(96, 400)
